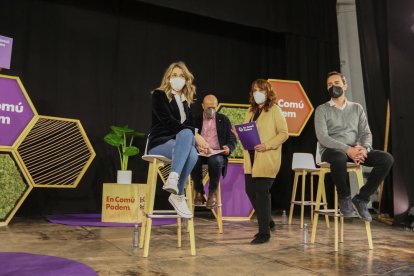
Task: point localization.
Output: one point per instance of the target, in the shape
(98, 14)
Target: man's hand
(260, 147)
(357, 154)
(226, 150)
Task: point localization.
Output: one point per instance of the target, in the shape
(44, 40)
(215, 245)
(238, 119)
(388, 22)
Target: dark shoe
(212, 200)
(199, 199)
(260, 238)
(272, 226)
(361, 208)
(345, 206)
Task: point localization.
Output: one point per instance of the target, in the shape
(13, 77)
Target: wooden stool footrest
(306, 203)
(329, 212)
(163, 214)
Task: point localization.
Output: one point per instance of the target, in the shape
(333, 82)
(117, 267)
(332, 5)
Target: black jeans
(380, 161)
(215, 167)
(258, 191)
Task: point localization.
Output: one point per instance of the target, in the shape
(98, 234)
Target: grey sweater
(341, 129)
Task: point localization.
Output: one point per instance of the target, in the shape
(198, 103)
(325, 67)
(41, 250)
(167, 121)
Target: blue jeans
(183, 154)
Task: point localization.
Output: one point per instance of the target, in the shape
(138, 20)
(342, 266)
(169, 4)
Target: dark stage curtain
(401, 58)
(386, 31)
(97, 61)
(372, 32)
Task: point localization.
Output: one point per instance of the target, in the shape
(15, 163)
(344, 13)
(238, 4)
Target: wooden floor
(109, 250)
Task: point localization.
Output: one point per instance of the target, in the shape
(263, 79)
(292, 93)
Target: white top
(180, 101)
(332, 103)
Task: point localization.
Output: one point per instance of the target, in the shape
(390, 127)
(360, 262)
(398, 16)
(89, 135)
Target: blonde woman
(173, 134)
(262, 164)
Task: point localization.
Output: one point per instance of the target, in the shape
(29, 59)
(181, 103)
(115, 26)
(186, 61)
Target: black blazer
(166, 120)
(224, 134)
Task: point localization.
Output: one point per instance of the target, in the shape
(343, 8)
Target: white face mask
(177, 83)
(259, 96)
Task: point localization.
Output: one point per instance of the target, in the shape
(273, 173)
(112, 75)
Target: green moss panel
(12, 185)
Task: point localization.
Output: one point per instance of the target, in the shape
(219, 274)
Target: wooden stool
(218, 213)
(304, 164)
(324, 169)
(160, 165)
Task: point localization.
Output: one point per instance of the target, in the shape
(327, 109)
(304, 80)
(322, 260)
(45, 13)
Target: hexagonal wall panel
(14, 185)
(295, 105)
(56, 152)
(16, 110)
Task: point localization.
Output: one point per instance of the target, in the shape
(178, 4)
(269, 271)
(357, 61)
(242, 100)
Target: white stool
(303, 164)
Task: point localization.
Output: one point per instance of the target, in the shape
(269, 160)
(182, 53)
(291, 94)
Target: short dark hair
(336, 73)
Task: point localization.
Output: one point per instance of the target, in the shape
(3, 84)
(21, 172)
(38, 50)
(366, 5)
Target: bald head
(210, 101)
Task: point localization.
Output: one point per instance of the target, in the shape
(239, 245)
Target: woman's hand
(201, 144)
(260, 147)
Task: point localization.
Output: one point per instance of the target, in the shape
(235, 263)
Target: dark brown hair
(263, 85)
(335, 73)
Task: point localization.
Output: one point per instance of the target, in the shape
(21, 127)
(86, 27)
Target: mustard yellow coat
(273, 132)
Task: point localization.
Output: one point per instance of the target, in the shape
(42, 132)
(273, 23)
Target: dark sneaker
(361, 207)
(345, 206)
(199, 199)
(261, 238)
(212, 200)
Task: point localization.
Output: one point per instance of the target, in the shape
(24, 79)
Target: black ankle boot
(260, 238)
(272, 226)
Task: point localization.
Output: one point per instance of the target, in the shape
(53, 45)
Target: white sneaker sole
(181, 214)
(170, 189)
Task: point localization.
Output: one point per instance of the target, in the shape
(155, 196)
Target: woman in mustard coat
(262, 164)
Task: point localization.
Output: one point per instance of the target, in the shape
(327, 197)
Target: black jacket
(166, 121)
(224, 134)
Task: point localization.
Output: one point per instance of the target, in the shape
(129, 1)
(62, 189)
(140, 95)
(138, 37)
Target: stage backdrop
(97, 61)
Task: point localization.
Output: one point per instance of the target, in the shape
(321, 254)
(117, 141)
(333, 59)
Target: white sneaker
(171, 185)
(180, 205)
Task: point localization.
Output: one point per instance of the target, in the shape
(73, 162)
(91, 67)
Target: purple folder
(248, 135)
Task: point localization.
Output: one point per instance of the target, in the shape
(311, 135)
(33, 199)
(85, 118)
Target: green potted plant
(122, 137)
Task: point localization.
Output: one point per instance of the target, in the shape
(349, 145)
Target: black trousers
(380, 161)
(215, 167)
(258, 191)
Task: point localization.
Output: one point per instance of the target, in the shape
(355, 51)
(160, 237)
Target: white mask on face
(259, 96)
(177, 83)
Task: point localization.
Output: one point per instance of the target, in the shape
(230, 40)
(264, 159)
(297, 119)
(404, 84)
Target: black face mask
(335, 91)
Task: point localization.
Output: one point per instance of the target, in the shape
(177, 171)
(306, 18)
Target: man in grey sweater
(344, 136)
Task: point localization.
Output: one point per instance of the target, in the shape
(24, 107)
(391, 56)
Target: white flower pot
(124, 177)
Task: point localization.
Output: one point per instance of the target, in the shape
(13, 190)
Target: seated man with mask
(216, 130)
(344, 136)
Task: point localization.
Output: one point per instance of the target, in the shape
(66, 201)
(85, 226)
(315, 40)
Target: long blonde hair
(189, 89)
